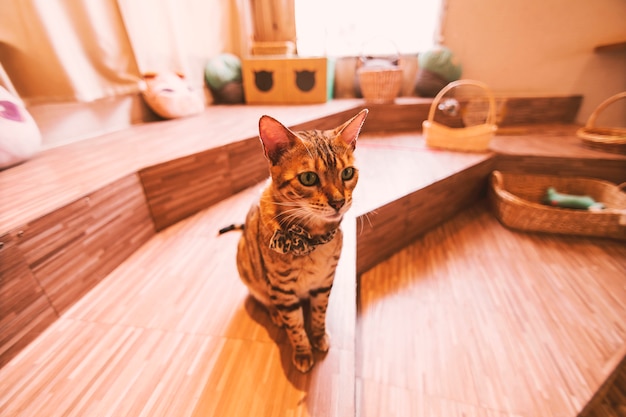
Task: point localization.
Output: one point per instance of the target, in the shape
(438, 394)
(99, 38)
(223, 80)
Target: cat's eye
(347, 174)
(308, 178)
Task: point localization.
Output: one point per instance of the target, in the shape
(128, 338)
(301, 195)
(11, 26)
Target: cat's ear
(349, 131)
(275, 138)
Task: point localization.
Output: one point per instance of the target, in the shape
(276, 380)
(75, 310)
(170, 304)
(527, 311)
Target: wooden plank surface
(25, 310)
(474, 319)
(59, 176)
(173, 332)
(554, 149)
(72, 249)
(419, 196)
(165, 291)
(51, 262)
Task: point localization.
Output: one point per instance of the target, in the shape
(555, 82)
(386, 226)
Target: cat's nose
(337, 203)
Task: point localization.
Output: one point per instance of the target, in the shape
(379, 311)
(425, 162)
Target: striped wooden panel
(474, 319)
(182, 187)
(246, 164)
(554, 150)
(71, 249)
(393, 226)
(24, 308)
(404, 114)
(530, 110)
(613, 170)
(408, 113)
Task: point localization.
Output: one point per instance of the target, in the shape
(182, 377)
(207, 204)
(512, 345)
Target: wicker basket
(379, 74)
(380, 85)
(604, 138)
(516, 201)
(468, 139)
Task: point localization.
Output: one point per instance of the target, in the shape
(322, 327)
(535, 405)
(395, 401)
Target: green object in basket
(581, 202)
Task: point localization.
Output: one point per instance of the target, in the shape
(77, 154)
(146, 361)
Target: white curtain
(176, 35)
(84, 50)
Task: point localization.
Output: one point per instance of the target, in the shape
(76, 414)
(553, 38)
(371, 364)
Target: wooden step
(403, 188)
(476, 319)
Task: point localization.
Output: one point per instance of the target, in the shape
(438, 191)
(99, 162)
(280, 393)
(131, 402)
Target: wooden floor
(472, 319)
(478, 320)
(171, 332)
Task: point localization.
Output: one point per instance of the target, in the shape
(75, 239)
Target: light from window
(356, 27)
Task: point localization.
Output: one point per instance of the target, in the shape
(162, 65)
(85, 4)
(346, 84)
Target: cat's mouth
(334, 216)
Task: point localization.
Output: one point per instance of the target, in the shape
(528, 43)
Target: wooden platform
(138, 301)
(474, 319)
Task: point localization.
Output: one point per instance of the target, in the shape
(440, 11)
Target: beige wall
(542, 47)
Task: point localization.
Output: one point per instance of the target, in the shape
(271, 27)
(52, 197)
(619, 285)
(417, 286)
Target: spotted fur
(292, 240)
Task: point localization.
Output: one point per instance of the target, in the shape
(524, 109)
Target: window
(354, 27)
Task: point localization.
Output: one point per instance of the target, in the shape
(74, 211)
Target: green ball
(221, 70)
(442, 62)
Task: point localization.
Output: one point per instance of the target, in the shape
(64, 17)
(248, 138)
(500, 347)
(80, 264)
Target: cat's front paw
(321, 343)
(303, 361)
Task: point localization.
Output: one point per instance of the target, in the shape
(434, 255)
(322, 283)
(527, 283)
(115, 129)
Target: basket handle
(592, 118)
(491, 117)
(497, 185)
(393, 58)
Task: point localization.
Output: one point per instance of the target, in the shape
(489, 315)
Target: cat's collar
(298, 241)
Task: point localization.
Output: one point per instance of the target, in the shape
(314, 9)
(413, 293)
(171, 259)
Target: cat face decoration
(264, 80)
(305, 80)
(285, 80)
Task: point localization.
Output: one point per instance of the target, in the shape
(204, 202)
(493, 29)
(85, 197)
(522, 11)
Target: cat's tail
(231, 227)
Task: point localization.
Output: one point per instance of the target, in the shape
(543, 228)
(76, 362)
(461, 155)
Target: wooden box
(285, 80)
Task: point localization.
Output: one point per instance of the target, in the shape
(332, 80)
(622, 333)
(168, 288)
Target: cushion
(20, 137)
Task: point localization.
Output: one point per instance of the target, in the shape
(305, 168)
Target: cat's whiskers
(287, 217)
(366, 216)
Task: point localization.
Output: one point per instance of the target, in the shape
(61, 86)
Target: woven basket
(516, 201)
(380, 85)
(468, 139)
(379, 74)
(604, 138)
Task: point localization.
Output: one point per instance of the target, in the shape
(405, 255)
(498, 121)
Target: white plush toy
(169, 95)
(20, 138)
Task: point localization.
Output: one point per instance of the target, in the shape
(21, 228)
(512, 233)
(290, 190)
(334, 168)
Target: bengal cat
(292, 239)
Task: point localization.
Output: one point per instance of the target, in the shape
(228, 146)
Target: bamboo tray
(608, 139)
(516, 201)
(468, 139)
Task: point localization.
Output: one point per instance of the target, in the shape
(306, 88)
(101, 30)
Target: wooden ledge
(59, 176)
